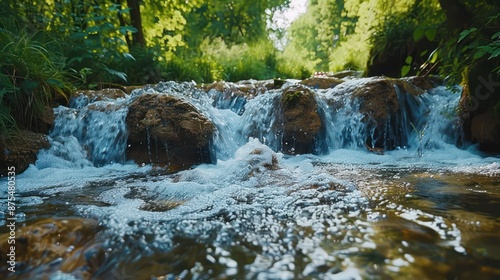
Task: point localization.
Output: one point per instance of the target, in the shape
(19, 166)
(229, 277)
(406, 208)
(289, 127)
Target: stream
(425, 210)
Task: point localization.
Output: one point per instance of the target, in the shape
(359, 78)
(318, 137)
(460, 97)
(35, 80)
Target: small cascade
(88, 134)
(418, 122)
(233, 102)
(441, 126)
(94, 133)
(261, 121)
(342, 126)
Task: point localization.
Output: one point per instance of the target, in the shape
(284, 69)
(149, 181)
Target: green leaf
(405, 70)
(119, 74)
(433, 56)
(55, 82)
(418, 33)
(93, 29)
(495, 53)
(431, 34)
(496, 36)
(125, 29)
(408, 59)
(480, 53)
(466, 33)
(128, 56)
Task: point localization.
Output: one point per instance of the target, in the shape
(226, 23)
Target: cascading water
(88, 133)
(421, 210)
(422, 122)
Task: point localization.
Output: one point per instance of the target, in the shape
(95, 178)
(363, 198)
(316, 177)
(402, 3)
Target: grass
(33, 75)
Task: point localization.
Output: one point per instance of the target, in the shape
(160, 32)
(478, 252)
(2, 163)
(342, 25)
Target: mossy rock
(479, 103)
(301, 122)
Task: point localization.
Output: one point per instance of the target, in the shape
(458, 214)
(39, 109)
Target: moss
(291, 99)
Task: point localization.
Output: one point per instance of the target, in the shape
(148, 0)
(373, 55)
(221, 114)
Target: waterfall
(90, 132)
(86, 134)
(261, 121)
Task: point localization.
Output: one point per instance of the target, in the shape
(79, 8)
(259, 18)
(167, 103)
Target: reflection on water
(335, 222)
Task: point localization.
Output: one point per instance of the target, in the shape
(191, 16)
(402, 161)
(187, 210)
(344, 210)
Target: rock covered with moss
(301, 122)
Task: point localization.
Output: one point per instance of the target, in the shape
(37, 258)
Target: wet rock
(322, 82)
(20, 150)
(48, 117)
(50, 245)
(388, 106)
(167, 131)
(346, 73)
(301, 122)
(424, 83)
(479, 106)
(485, 130)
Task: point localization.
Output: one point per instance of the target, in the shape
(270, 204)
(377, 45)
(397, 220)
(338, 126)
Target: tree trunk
(135, 17)
(457, 15)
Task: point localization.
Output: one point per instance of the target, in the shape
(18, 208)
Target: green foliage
(218, 61)
(93, 40)
(32, 75)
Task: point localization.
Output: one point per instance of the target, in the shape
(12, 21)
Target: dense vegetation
(50, 47)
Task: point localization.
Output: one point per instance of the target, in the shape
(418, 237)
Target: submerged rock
(167, 131)
(301, 122)
(56, 244)
(20, 150)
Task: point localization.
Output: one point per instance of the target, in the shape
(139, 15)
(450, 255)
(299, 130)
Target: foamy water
(259, 214)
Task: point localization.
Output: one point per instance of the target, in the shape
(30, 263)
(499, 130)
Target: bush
(32, 76)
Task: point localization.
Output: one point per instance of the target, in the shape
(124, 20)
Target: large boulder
(20, 150)
(168, 131)
(387, 108)
(301, 122)
(480, 106)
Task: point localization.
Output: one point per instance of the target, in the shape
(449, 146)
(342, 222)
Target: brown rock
(301, 122)
(480, 106)
(424, 82)
(380, 103)
(485, 130)
(247, 89)
(20, 150)
(322, 82)
(65, 244)
(166, 130)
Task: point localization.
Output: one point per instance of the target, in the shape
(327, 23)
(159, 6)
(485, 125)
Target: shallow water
(308, 219)
(428, 211)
